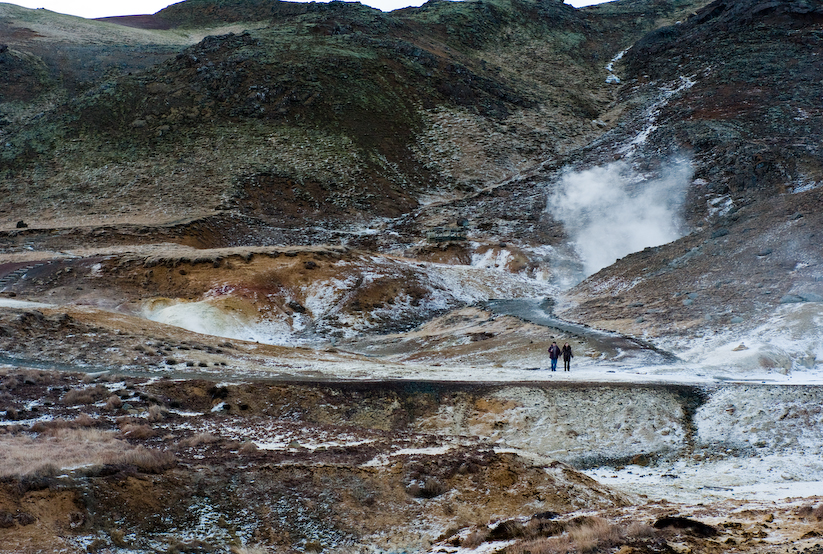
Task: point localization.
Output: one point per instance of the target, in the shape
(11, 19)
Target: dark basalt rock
(686, 524)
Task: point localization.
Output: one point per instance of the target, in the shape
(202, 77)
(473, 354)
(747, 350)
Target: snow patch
(652, 112)
(720, 206)
(805, 186)
(613, 78)
(790, 342)
(209, 317)
(8, 303)
(491, 259)
(766, 477)
(430, 451)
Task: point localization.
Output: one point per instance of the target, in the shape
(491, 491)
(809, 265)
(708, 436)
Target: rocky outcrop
(747, 117)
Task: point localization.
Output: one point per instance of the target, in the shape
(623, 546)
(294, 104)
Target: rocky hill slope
(330, 113)
(715, 90)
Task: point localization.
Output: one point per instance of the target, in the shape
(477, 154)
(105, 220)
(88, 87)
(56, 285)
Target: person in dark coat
(566, 351)
(554, 353)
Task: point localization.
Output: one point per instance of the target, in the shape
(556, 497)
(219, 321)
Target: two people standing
(556, 352)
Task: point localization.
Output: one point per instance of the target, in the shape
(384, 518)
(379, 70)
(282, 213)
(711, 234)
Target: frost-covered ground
(789, 343)
(774, 477)
(751, 441)
(9, 303)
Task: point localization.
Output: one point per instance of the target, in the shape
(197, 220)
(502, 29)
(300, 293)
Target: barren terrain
(101, 462)
(280, 277)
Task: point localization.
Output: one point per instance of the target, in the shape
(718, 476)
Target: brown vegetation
(61, 448)
(136, 431)
(200, 439)
(85, 395)
(146, 459)
(114, 402)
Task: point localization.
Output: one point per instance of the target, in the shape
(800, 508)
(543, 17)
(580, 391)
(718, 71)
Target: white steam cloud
(612, 211)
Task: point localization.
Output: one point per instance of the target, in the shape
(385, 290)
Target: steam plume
(612, 211)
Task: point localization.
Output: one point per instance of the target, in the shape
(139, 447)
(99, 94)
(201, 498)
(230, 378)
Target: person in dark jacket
(554, 353)
(566, 351)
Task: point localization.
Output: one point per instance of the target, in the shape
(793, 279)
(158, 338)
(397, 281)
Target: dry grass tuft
(12, 429)
(805, 511)
(248, 447)
(595, 533)
(136, 431)
(638, 530)
(157, 413)
(46, 469)
(475, 538)
(49, 427)
(9, 382)
(85, 396)
(248, 550)
(146, 459)
(55, 427)
(431, 488)
(114, 403)
(585, 534)
(538, 527)
(810, 511)
(60, 448)
(85, 420)
(506, 530)
(198, 439)
(32, 377)
(553, 545)
(69, 444)
(118, 538)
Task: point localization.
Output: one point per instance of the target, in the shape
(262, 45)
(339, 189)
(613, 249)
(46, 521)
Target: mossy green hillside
(373, 86)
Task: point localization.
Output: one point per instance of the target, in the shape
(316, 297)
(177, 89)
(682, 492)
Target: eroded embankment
(584, 424)
(97, 462)
(595, 424)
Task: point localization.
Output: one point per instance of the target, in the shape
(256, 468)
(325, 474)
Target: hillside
(341, 113)
(563, 140)
(746, 120)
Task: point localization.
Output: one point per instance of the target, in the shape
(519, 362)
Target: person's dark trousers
(567, 365)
